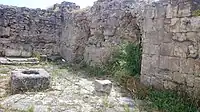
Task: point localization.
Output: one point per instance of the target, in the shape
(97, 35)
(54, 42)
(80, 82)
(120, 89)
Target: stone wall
(171, 51)
(90, 33)
(25, 31)
(170, 36)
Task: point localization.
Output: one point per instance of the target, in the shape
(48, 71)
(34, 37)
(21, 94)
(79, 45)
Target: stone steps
(15, 61)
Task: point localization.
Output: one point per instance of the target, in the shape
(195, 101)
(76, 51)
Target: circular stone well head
(31, 72)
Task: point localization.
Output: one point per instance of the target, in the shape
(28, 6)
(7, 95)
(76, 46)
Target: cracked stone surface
(70, 92)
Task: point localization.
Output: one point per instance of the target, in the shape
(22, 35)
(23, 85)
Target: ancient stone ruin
(168, 30)
(23, 80)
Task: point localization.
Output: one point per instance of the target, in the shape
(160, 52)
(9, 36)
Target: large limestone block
(95, 55)
(185, 24)
(12, 52)
(150, 49)
(166, 49)
(187, 66)
(179, 77)
(26, 54)
(149, 64)
(170, 85)
(169, 63)
(184, 9)
(190, 80)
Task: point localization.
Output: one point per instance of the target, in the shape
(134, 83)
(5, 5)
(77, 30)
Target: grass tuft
(169, 101)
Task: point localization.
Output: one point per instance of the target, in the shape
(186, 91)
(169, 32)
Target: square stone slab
(23, 80)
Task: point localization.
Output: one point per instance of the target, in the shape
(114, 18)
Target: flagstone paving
(70, 92)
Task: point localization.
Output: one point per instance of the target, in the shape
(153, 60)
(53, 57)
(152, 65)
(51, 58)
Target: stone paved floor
(70, 92)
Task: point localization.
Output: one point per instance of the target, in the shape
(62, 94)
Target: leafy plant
(127, 58)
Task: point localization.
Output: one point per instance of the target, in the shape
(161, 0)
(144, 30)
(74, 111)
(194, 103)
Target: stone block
(166, 49)
(103, 86)
(179, 37)
(12, 52)
(149, 25)
(180, 50)
(149, 64)
(197, 82)
(157, 83)
(189, 24)
(193, 51)
(166, 37)
(192, 36)
(179, 77)
(4, 32)
(184, 9)
(151, 37)
(149, 11)
(109, 32)
(187, 65)
(197, 68)
(170, 85)
(67, 53)
(169, 63)
(145, 79)
(96, 56)
(26, 54)
(23, 80)
(160, 11)
(175, 25)
(169, 11)
(190, 80)
(150, 48)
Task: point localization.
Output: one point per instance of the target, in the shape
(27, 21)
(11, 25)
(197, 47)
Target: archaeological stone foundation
(169, 31)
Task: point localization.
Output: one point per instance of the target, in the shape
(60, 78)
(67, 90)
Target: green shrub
(169, 101)
(132, 58)
(127, 58)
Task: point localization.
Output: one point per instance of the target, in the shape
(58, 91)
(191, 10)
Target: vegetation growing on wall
(196, 13)
(126, 57)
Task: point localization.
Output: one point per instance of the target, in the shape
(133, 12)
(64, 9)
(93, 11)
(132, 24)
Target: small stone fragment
(104, 86)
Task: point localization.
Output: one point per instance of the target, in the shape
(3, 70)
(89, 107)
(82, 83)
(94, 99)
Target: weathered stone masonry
(89, 34)
(25, 31)
(171, 50)
(170, 36)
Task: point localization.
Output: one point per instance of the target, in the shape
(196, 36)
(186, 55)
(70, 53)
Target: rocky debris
(103, 86)
(23, 80)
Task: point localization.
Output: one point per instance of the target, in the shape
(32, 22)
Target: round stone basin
(23, 80)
